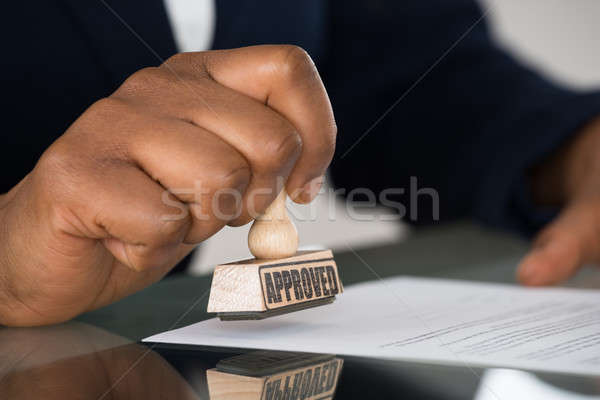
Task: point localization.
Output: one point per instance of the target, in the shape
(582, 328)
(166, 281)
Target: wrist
(5, 298)
(548, 181)
(8, 301)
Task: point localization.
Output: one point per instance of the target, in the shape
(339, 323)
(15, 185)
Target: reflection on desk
(78, 361)
(271, 375)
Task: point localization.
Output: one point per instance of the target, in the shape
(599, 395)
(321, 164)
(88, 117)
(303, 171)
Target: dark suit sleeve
(467, 119)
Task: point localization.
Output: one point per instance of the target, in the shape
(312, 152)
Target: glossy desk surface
(98, 355)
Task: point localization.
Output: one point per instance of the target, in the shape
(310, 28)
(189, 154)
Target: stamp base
(255, 289)
(257, 315)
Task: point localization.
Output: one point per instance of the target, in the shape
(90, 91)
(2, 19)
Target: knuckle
(281, 150)
(323, 155)
(145, 79)
(325, 146)
(62, 219)
(172, 230)
(94, 121)
(55, 158)
(143, 258)
(236, 175)
(56, 168)
(296, 62)
(332, 134)
(176, 59)
(104, 108)
(187, 64)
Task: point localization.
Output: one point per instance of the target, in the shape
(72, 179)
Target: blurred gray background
(560, 38)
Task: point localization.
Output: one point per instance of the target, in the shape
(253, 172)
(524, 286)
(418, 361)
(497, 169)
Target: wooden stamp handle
(273, 234)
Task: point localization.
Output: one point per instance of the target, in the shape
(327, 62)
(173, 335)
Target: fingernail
(311, 189)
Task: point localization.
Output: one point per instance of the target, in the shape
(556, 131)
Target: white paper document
(430, 320)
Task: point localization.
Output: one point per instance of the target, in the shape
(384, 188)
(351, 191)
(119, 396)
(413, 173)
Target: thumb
(561, 247)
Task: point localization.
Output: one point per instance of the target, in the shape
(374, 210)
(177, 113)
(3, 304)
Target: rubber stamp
(279, 279)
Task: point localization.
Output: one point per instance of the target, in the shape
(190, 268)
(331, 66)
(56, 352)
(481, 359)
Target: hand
(80, 361)
(177, 152)
(570, 178)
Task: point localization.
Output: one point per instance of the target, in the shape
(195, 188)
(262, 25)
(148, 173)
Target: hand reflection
(82, 362)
